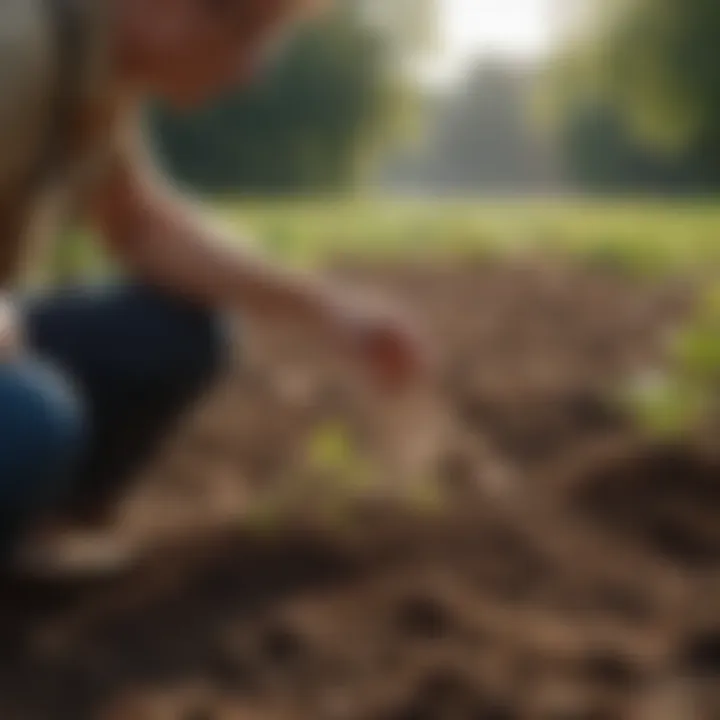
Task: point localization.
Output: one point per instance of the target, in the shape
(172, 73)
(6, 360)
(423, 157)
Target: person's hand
(388, 344)
(9, 331)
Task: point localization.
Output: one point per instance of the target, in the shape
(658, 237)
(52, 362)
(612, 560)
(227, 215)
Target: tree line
(630, 101)
(309, 123)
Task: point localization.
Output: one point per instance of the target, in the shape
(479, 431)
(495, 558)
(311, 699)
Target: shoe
(68, 552)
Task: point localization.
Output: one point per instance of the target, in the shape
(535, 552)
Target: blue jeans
(106, 374)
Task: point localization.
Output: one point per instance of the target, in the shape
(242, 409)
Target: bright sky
(469, 28)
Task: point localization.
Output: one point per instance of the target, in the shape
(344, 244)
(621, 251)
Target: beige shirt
(32, 212)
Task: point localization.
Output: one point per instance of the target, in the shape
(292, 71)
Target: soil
(557, 565)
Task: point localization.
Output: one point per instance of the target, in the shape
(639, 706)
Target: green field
(645, 235)
(640, 236)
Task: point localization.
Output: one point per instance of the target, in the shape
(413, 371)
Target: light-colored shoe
(73, 552)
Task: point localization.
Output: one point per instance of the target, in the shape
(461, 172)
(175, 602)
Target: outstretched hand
(388, 345)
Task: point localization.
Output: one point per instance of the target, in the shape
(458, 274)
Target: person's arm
(162, 239)
(166, 241)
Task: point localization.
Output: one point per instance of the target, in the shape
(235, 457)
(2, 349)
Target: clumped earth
(565, 568)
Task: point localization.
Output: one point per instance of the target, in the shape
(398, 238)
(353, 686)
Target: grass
(641, 236)
(648, 236)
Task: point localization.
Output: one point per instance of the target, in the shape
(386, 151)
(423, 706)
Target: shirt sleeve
(26, 80)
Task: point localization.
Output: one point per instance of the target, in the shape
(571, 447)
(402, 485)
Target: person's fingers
(397, 357)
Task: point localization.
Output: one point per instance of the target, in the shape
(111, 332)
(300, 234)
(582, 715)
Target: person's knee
(208, 342)
(43, 433)
(197, 341)
(131, 334)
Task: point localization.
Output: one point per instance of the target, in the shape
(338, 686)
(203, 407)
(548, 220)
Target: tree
(659, 60)
(640, 93)
(308, 125)
(481, 136)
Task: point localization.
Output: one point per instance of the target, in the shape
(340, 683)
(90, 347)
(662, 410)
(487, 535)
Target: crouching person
(92, 379)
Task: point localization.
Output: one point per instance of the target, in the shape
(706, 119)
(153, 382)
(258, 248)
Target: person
(93, 377)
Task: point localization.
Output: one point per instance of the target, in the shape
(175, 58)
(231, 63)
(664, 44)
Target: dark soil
(571, 572)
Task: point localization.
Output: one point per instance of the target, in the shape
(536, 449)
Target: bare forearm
(169, 245)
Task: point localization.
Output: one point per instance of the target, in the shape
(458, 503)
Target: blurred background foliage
(310, 124)
(638, 95)
(631, 92)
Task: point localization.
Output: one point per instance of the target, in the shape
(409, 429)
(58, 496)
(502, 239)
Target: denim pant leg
(141, 358)
(43, 434)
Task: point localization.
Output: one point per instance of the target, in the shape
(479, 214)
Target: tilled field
(570, 569)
